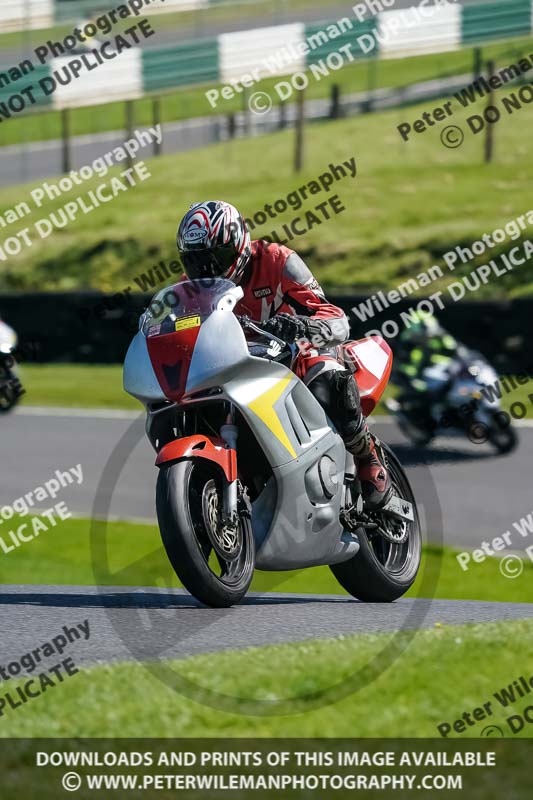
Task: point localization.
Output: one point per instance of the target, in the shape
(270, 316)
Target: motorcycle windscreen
(183, 301)
(372, 358)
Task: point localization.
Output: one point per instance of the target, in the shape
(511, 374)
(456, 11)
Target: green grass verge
(100, 386)
(131, 554)
(191, 101)
(410, 203)
(76, 385)
(407, 700)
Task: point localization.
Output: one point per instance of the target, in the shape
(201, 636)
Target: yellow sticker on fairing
(187, 322)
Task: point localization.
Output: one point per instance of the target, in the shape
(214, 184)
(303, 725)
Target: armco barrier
(33, 78)
(74, 10)
(17, 15)
(496, 20)
(323, 46)
(76, 327)
(285, 49)
(182, 65)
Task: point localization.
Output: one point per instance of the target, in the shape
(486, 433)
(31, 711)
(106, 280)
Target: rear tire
(217, 570)
(383, 571)
(504, 439)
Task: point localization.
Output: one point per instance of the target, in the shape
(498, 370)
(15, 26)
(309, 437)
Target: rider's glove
(287, 327)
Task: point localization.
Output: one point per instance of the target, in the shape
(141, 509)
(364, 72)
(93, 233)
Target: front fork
(230, 495)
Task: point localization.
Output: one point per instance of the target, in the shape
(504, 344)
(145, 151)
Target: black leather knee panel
(338, 394)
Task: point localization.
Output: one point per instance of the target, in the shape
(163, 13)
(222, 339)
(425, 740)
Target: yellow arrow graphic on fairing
(263, 407)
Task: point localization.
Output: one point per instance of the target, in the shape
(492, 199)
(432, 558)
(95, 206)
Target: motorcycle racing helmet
(422, 327)
(213, 241)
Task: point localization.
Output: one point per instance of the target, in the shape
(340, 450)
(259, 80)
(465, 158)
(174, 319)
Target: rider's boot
(374, 476)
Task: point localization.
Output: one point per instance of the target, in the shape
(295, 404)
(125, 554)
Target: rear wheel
(388, 559)
(502, 437)
(213, 561)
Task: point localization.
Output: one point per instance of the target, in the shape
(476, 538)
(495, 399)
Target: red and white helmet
(213, 241)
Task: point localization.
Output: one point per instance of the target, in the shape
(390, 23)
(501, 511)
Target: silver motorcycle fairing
(302, 529)
(296, 523)
(138, 377)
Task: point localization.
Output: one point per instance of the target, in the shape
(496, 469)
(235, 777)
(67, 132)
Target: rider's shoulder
(273, 252)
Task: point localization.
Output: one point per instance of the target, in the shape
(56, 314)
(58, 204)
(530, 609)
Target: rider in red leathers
(281, 293)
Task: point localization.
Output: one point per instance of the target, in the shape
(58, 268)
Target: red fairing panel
(372, 358)
(199, 446)
(171, 356)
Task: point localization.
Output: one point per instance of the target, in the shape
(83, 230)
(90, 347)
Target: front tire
(383, 571)
(417, 436)
(215, 566)
(10, 390)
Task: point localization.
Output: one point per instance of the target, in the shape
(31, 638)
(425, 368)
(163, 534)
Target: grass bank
(407, 700)
(410, 203)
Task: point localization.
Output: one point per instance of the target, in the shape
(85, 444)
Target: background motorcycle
(10, 386)
(456, 404)
(252, 474)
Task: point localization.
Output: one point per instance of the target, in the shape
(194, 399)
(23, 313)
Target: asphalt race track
(144, 623)
(466, 494)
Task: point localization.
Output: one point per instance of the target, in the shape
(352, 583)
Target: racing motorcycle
(10, 386)
(252, 473)
(458, 401)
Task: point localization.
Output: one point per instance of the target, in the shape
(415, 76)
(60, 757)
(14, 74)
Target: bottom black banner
(282, 768)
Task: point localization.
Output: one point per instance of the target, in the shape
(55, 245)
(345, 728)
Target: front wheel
(387, 562)
(214, 562)
(10, 390)
(418, 436)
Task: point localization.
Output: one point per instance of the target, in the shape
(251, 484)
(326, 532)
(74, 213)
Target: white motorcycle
(252, 474)
(10, 386)
(459, 401)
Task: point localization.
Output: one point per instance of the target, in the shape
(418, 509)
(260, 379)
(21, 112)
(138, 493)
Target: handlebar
(247, 324)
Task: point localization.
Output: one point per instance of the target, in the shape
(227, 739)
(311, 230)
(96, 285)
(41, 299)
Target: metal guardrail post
(65, 141)
(334, 111)
(478, 61)
(129, 127)
(282, 123)
(299, 140)
(489, 138)
(246, 112)
(371, 84)
(156, 120)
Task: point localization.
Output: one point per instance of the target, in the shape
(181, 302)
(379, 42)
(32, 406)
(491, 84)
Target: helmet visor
(213, 262)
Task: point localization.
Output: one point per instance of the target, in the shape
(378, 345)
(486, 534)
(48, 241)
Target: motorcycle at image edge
(460, 402)
(10, 386)
(252, 473)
